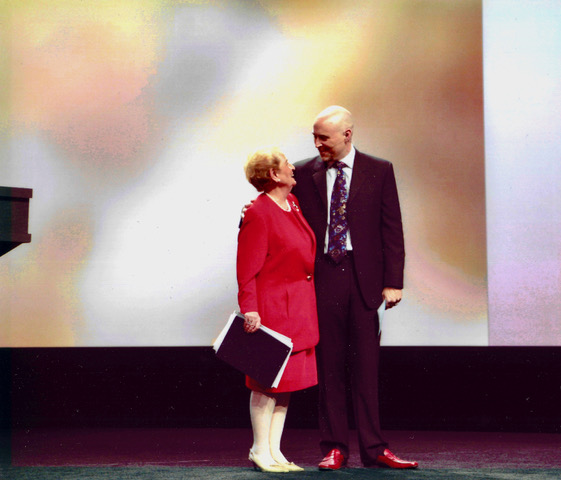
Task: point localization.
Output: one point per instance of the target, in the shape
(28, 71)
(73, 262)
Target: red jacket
(275, 267)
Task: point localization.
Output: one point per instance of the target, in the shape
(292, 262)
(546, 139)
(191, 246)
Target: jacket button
(309, 278)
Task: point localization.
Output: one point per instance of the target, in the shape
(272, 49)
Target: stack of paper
(261, 355)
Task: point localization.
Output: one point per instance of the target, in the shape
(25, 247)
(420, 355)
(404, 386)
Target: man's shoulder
(313, 164)
(307, 164)
(364, 157)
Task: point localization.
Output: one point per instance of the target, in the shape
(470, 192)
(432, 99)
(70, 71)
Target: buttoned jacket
(275, 268)
(374, 220)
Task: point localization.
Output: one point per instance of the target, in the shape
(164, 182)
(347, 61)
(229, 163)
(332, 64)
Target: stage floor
(207, 447)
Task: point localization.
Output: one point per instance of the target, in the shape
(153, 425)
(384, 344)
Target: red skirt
(300, 373)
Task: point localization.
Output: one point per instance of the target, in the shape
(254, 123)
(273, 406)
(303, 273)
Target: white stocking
(277, 426)
(261, 409)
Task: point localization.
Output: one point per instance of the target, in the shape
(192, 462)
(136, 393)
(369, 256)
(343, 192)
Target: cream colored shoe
(292, 467)
(258, 464)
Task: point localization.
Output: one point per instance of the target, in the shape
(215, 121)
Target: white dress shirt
(331, 174)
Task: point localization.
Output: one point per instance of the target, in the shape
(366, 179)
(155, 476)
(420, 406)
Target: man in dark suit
(353, 209)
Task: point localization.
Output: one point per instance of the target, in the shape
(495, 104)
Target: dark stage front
(422, 388)
(167, 413)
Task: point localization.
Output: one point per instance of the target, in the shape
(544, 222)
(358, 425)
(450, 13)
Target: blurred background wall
(131, 121)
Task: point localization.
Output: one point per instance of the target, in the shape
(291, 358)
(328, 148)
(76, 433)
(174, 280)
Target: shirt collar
(349, 160)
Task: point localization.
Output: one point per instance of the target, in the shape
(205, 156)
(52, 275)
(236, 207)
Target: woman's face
(285, 172)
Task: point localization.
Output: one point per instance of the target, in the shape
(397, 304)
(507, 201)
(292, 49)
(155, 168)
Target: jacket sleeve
(252, 251)
(392, 233)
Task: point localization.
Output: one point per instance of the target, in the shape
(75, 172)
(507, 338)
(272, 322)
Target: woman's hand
(252, 322)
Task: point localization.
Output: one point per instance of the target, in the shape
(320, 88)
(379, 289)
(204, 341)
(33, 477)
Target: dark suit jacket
(374, 219)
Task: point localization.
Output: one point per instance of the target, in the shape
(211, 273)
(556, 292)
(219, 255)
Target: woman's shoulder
(261, 203)
(259, 207)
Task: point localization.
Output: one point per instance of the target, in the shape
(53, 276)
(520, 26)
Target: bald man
(351, 202)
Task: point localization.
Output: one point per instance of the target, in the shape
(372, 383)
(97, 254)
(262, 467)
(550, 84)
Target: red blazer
(275, 268)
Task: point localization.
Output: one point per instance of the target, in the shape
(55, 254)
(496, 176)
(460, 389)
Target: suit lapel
(320, 180)
(359, 175)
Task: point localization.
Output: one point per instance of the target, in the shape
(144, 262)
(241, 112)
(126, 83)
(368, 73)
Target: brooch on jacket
(295, 206)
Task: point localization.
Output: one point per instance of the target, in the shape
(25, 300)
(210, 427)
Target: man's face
(331, 140)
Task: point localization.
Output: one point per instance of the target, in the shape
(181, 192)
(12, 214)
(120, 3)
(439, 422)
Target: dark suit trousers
(348, 351)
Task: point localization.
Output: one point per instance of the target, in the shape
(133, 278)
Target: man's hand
(252, 322)
(245, 207)
(392, 296)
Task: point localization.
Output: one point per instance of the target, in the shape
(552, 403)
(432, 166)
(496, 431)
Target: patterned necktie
(338, 226)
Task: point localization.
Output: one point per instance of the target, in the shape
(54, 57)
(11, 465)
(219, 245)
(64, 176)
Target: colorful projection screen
(131, 122)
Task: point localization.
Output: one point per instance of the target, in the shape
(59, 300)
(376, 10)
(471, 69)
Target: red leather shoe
(389, 460)
(334, 460)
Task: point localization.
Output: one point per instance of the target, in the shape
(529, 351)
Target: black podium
(14, 217)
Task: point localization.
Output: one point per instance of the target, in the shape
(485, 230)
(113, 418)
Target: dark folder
(261, 355)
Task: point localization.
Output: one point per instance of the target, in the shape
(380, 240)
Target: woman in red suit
(275, 267)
